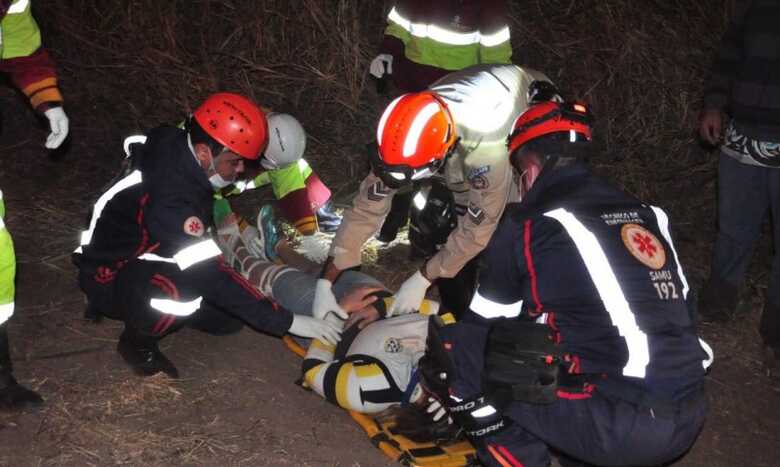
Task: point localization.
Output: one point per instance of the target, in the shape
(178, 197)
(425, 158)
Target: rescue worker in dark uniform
(582, 337)
(148, 257)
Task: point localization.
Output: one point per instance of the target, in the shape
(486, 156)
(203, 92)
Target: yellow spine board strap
(379, 429)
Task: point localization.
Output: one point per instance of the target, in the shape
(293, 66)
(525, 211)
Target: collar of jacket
(171, 165)
(549, 182)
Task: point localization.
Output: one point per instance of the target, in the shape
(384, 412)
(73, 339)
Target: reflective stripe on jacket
(451, 35)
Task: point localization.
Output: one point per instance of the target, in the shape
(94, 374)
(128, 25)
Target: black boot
(328, 220)
(13, 396)
(143, 356)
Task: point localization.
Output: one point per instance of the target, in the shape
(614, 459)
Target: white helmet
(286, 141)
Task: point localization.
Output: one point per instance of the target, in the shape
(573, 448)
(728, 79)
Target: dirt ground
(236, 403)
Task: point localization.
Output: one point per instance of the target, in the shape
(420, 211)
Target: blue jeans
(746, 194)
(294, 290)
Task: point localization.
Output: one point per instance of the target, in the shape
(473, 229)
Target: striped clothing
(745, 80)
(24, 58)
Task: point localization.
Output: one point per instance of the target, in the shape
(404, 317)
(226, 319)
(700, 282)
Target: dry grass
(140, 63)
(129, 65)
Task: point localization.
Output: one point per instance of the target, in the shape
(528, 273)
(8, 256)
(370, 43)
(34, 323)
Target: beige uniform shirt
(485, 101)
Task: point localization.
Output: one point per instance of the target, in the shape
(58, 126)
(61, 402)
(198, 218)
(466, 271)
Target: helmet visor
(399, 175)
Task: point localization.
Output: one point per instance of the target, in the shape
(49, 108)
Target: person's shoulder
(165, 133)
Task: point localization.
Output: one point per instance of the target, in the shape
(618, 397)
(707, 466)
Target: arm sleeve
(717, 90)
(180, 231)
(297, 209)
(487, 198)
(363, 219)
(396, 35)
(36, 77)
(353, 384)
(495, 45)
(497, 293)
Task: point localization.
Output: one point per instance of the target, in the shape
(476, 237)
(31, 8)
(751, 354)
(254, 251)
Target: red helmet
(415, 135)
(551, 117)
(234, 122)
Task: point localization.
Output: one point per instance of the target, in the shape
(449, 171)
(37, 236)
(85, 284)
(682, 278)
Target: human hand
(359, 298)
(325, 301)
(58, 122)
(382, 64)
(711, 126)
(410, 295)
(306, 326)
(362, 317)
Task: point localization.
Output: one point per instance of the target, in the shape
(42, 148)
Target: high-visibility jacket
(24, 58)
(7, 268)
(429, 39)
(297, 187)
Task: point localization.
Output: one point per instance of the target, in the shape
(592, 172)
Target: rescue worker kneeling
(584, 340)
(148, 257)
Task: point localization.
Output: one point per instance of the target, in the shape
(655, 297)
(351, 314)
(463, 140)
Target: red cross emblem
(193, 226)
(643, 245)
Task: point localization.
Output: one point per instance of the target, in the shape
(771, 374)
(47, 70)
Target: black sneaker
(14, 396)
(143, 356)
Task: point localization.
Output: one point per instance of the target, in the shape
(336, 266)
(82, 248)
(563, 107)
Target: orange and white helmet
(415, 135)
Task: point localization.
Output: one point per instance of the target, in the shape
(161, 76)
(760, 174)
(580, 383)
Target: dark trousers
(6, 368)
(746, 195)
(398, 215)
(587, 425)
(128, 294)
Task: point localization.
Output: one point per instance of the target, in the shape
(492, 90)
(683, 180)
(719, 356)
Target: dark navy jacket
(600, 268)
(162, 211)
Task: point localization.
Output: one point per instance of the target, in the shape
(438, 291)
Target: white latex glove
(325, 301)
(58, 122)
(306, 326)
(315, 247)
(383, 63)
(410, 295)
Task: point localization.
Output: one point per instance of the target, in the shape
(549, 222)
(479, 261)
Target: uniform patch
(477, 178)
(393, 345)
(476, 214)
(194, 226)
(643, 245)
(477, 171)
(378, 191)
(480, 182)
